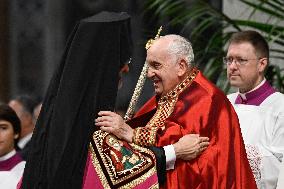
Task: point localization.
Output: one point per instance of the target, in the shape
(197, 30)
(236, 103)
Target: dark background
(33, 35)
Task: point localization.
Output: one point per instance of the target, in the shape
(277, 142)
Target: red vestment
(203, 109)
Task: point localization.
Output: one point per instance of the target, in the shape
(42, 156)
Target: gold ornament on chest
(167, 103)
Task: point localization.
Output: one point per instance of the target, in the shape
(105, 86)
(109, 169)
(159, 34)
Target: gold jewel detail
(151, 41)
(167, 103)
(143, 136)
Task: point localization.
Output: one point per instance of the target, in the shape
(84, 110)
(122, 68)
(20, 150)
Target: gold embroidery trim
(166, 106)
(151, 41)
(155, 186)
(100, 172)
(145, 136)
(140, 180)
(98, 168)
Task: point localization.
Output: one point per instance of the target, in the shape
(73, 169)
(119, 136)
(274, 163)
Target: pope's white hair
(180, 47)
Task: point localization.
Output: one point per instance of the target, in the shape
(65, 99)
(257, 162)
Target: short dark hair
(28, 102)
(255, 39)
(9, 115)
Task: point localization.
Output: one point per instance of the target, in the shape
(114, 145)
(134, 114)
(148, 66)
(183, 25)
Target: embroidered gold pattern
(138, 181)
(151, 41)
(98, 168)
(144, 136)
(166, 106)
(145, 165)
(155, 186)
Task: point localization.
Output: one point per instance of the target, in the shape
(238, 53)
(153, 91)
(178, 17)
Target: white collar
(243, 95)
(23, 141)
(7, 156)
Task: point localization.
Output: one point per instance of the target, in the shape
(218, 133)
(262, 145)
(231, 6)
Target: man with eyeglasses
(259, 106)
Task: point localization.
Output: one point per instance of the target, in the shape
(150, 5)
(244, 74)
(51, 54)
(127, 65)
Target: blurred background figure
(36, 112)
(24, 106)
(11, 163)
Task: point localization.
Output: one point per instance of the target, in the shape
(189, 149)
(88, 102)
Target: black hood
(84, 83)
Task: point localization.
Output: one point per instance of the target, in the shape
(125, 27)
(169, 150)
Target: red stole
(204, 109)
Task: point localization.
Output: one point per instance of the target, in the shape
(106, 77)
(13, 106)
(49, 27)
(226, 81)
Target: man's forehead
(242, 47)
(161, 42)
(158, 47)
(155, 55)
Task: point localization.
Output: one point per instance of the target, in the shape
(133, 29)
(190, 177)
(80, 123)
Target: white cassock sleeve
(170, 157)
(263, 133)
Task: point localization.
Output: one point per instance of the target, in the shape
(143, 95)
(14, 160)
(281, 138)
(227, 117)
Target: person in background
(24, 106)
(259, 106)
(11, 163)
(36, 112)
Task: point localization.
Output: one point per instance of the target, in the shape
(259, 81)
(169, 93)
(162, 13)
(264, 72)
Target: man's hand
(190, 146)
(113, 123)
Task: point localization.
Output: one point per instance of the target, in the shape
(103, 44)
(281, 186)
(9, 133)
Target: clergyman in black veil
(86, 82)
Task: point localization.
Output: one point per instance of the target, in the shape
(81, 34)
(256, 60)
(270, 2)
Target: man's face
(163, 67)
(248, 75)
(7, 137)
(18, 108)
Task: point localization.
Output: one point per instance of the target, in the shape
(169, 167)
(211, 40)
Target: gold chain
(167, 102)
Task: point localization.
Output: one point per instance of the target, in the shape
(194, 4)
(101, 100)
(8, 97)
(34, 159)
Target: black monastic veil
(84, 83)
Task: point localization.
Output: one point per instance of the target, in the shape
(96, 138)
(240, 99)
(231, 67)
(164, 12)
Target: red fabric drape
(204, 109)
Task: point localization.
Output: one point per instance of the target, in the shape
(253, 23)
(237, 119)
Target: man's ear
(263, 63)
(182, 67)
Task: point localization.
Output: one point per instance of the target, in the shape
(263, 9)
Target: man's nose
(233, 65)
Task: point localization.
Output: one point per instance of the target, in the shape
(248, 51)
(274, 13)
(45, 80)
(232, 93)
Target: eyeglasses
(238, 60)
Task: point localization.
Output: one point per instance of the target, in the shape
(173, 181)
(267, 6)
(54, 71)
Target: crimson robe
(203, 109)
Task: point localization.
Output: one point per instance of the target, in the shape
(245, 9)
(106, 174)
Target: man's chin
(235, 83)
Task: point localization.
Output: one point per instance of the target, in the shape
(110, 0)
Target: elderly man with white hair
(185, 102)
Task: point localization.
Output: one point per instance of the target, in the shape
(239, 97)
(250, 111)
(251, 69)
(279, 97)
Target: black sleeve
(161, 163)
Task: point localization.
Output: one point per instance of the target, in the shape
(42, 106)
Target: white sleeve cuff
(170, 157)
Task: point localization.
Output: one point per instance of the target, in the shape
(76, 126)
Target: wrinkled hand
(190, 146)
(113, 123)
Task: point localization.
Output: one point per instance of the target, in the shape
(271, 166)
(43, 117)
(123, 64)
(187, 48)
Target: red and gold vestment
(196, 106)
